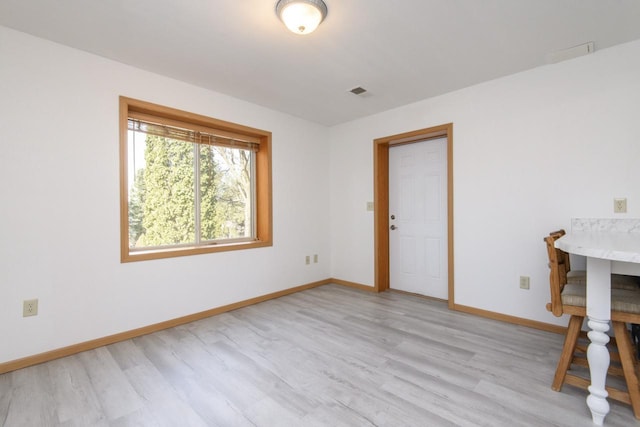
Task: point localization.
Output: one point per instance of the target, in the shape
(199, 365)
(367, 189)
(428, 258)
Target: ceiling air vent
(570, 53)
(358, 90)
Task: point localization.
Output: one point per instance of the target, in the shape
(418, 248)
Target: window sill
(128, 256)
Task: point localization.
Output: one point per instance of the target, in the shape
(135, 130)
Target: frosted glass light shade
(301, 16)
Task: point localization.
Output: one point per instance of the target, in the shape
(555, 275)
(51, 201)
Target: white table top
(611, 245)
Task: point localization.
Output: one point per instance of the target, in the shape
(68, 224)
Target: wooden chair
(571, 299)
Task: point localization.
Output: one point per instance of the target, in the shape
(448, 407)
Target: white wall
(531, 151)
(59, 227)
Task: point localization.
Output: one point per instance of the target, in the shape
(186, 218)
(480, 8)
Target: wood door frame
(381, 200)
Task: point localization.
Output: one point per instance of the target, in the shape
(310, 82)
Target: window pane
(189, 184)
(162, 196)
(225, 193)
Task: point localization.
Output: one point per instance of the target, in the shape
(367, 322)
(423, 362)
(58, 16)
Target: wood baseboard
(352, 285)
(511, 319)
(470, 310)
(111, 339)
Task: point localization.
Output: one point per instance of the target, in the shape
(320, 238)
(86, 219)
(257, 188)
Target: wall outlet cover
(30, 307)
(620, 205)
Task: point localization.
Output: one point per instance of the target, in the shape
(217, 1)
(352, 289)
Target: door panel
(418, 210)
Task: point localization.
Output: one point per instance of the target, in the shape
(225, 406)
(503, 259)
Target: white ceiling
(401, 51)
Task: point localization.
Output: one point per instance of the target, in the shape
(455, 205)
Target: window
(190, 184)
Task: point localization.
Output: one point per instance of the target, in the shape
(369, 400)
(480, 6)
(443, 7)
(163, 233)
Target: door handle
(393, 227)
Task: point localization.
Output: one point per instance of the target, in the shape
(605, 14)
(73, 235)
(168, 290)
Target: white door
(418, 218)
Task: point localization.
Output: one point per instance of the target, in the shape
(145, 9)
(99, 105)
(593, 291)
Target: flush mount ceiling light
(301, 16)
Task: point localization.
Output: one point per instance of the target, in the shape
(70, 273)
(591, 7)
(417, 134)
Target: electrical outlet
(30, 307)
(620, 205)
(524, 282)
(370, 206)
(315, 258)
(307, 260)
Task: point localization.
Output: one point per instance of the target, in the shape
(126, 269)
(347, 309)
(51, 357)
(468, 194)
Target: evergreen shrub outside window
(190, 184)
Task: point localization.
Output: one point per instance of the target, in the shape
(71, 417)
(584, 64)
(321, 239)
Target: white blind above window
(139, 122)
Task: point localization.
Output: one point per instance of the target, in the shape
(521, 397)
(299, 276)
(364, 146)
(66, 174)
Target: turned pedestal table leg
(599, 314)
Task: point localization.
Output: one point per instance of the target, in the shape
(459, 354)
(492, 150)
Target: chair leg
(635, 338)
(568, 348)
(627, 359)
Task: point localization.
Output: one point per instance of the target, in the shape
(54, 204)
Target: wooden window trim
(263, 208)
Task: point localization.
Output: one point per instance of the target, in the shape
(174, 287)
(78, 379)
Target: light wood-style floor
(329, 356)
